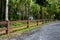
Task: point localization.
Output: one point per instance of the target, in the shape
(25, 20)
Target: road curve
(46, 32)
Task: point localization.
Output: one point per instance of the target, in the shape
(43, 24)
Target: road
(46, 32)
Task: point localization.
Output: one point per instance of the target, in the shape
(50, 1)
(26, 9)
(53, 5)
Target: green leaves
(50, 6)
(41, 2)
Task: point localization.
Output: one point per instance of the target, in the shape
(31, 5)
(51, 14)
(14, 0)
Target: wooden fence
(7, 23)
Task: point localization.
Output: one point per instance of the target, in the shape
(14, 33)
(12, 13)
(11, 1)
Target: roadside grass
(21, 27)
(16, 31)
(24, 28)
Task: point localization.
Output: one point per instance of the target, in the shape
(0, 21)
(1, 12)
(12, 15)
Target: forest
(19, 9)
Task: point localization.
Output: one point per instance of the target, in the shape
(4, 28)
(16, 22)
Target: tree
(2, 9)
(41, 2)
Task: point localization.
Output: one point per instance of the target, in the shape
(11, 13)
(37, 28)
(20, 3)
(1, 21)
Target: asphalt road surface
(46, 32)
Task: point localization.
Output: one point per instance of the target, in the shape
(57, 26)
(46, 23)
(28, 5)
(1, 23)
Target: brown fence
(7, 23)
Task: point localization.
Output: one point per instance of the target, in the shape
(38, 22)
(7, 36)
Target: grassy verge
(22, 29)
(18, 31)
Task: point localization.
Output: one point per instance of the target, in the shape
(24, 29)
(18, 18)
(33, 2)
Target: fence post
(37, 22)
(7, 27)
(28, 13)
(27, 23)
(42, 21)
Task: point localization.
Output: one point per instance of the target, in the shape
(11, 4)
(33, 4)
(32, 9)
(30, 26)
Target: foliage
(41, 2)
(18, 9)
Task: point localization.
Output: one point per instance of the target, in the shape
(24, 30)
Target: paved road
(46, 32)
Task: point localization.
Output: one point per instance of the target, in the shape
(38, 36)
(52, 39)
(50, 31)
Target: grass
(17, 24)
(1, 26)
(20, 30)
(16, 31)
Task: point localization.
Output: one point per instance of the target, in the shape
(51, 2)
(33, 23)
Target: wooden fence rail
(7, 23)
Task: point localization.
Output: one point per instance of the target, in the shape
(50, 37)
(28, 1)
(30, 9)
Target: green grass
(17, 24)
(1, 26)
(20, 30)
(16, 31)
